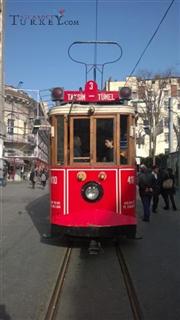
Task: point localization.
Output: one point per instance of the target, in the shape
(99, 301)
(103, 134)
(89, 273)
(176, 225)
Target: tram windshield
(81, 141)
(92, 140)
(124, 139)
(105, 140)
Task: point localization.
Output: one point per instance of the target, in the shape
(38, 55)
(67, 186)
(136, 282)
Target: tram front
(92, 173)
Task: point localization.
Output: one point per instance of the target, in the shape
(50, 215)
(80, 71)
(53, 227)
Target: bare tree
(151, 93)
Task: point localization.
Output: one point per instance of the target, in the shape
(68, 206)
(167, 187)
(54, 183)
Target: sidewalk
(161, 213)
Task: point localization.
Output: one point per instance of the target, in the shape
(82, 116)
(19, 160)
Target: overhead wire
(96, 36)
(150, 40)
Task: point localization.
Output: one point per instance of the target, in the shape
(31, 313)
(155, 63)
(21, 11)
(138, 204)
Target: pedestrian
(32, 178)
(43, 178)
(156, 188)
(145, 183)
(168, 189)
(22, 173)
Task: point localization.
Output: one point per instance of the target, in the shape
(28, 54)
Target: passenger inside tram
(77, 146)
(123, 157)
(81, 141)
(109, 151)
(104, 140)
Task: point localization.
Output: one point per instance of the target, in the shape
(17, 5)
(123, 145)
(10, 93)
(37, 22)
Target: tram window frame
(60, 143)
(82, 159)
(69, 136)
(114, 138)
(92, 141)
(123, 150)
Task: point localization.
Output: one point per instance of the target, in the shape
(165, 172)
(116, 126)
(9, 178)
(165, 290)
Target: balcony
(20, 139)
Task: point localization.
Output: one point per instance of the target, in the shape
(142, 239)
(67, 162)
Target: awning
(12, 161)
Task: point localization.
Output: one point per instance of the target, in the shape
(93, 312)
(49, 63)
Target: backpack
(43, 177)
(167, 184)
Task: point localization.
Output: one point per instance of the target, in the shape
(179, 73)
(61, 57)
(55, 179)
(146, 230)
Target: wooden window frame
(105, 116)
(69, 131)
(71, 141)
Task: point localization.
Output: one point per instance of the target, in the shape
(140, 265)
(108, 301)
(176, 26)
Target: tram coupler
(94, 247)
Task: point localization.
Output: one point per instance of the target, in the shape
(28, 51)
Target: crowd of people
(40, 176)
(153, 184)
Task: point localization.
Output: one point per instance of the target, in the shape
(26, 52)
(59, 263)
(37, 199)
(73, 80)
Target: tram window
(60, 139)
(104, 140)
(124, 139)
(81, 141)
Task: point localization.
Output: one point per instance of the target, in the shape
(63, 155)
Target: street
(29, 265)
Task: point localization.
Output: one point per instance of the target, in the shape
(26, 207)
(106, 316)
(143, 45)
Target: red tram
(92, 170)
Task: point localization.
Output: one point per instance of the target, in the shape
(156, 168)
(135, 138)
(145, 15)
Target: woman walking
(168, 189)
(146, 184)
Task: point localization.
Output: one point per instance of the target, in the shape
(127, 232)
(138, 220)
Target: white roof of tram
(97, 109)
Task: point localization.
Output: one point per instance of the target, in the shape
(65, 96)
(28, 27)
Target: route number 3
(91, 85)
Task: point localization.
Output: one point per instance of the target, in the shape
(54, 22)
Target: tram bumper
(97, 223)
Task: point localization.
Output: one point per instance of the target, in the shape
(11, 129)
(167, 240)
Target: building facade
(2, 128)
(25, 146)
(157, 104)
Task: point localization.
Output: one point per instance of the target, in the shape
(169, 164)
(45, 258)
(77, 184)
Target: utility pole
(2, 126)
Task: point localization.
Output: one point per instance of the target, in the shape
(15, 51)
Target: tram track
(52, 311)
(131, 292)
(55, 297)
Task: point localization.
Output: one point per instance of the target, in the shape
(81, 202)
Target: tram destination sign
(91, 94)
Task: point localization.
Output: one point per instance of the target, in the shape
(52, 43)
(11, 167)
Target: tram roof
(95, 108)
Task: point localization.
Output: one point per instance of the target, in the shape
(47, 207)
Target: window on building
(173, 90)
(141, 92)
(165, 104)
(134, 95)
(166, 137)
(178, 93)
(166, 93)
(178, 106)
(166, 122)
(10, 126)
(25, 128)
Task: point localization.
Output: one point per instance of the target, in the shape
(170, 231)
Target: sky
(38, 35)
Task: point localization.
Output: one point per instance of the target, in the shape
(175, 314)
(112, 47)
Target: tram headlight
(92, 191)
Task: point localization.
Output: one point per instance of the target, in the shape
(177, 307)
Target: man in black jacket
(146, 183)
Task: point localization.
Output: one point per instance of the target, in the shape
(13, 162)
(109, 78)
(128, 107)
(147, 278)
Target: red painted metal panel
(107, 202)
(57, 201)
(115, 208)
(127, 191)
